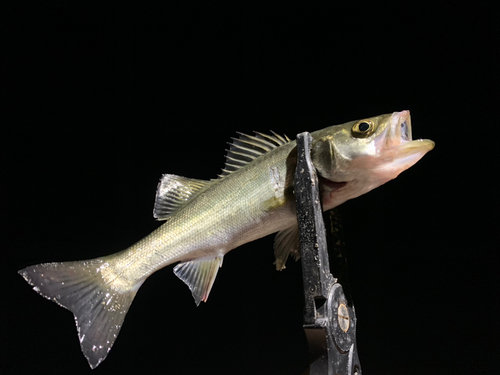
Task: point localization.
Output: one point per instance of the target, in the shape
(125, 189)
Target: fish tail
(98, 299)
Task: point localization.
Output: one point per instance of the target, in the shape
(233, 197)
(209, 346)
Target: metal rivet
(343, 315)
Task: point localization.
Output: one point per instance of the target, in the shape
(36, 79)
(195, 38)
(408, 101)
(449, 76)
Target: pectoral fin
(286, 242)
(199, 275)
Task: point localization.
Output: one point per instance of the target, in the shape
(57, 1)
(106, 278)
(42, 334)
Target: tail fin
(98, 301)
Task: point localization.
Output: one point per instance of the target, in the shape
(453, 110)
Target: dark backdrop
(97, 104)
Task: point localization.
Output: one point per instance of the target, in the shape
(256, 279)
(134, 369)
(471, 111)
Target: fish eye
(363, 128)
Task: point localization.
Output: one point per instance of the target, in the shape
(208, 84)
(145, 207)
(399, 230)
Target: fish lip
(415, 146)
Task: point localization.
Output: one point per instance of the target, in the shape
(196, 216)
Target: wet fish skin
(206, 219)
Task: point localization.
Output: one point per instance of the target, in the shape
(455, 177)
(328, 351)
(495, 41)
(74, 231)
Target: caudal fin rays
(80, 287)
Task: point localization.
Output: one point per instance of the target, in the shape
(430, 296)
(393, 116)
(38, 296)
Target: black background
(99, 103)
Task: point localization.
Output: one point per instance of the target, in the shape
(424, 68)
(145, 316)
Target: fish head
(356, 157)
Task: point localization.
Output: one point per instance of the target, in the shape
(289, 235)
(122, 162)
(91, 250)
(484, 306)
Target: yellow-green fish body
(206, 219)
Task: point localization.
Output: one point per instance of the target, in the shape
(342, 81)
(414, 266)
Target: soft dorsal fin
(173, 192)
(247, 148)
(199, 275)
(286, 242)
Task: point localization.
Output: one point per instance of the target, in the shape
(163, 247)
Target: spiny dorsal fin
(286, 242)
(199, 275)
(247, 148)
(173, 192)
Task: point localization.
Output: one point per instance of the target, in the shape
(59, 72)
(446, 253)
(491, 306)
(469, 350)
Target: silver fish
(252, 198)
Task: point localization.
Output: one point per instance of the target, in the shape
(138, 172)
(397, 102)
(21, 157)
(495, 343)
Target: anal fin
(199, 275)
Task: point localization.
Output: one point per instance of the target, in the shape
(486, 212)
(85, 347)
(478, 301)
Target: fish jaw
(396, 151)
(373, 162)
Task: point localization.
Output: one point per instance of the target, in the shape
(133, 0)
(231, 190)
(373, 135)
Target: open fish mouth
(398, 135)
(397, 140)
(397, 132)
(400, 127)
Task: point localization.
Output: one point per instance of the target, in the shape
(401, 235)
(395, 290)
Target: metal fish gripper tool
(329, 316)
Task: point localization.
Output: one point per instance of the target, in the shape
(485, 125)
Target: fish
(203, 220)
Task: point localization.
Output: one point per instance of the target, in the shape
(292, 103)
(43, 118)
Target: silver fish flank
(204, 220)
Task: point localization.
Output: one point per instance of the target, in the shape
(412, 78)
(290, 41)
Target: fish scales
(239, 208)
(206, 219)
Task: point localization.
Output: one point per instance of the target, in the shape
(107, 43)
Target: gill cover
(323, 156)
(336, 147)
